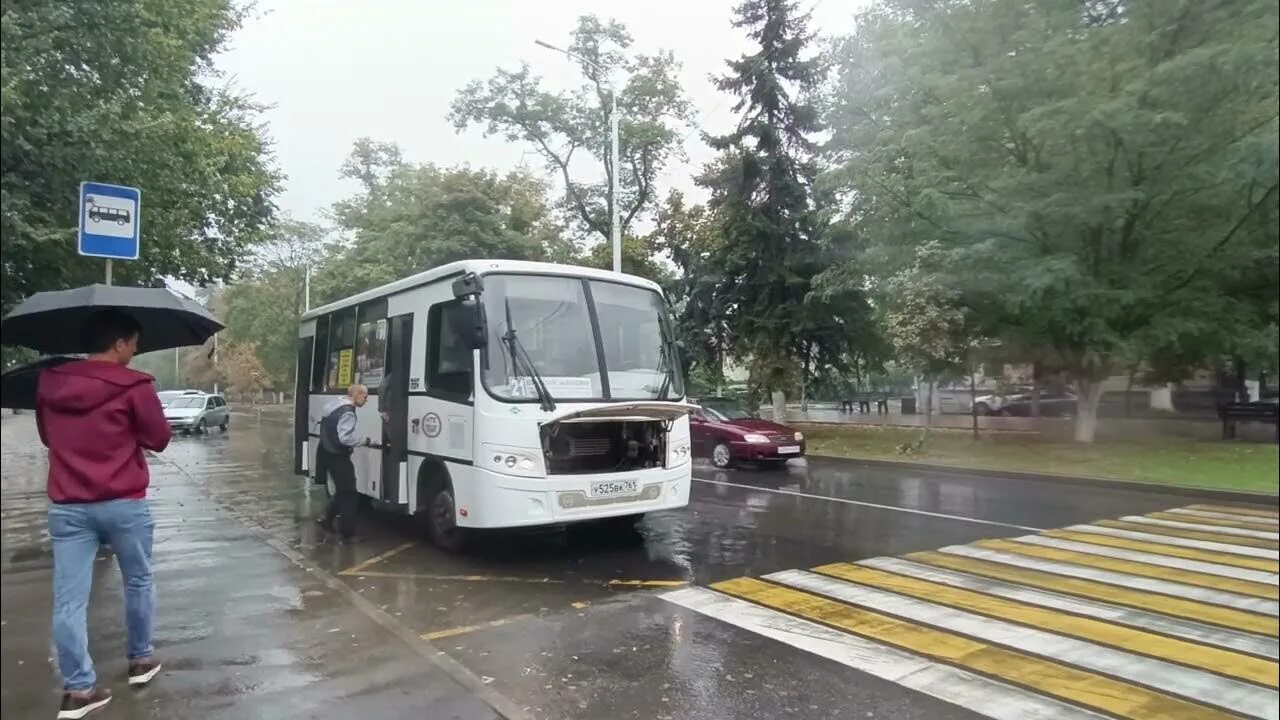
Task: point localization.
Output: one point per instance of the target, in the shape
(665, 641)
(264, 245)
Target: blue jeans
(77, 531)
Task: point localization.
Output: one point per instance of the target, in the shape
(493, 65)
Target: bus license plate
(789, 450)
(613, 488)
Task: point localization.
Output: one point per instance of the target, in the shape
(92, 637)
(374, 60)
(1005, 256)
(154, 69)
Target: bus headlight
(511, 461)
(678, 453)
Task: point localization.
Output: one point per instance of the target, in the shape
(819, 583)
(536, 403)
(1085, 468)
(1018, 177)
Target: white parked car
(994, 403)
(197, 412)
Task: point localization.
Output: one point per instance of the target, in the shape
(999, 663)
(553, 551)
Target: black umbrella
(18, 385)
(54, 322)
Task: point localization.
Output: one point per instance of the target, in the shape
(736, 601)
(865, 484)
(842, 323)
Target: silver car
(197, 413)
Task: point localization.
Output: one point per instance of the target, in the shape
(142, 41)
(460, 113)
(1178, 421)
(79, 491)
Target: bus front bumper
(494, 500)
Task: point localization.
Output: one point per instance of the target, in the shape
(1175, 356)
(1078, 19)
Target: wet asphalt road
(560, 624)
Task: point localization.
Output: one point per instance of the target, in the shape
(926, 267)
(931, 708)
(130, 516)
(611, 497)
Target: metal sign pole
(108, 271)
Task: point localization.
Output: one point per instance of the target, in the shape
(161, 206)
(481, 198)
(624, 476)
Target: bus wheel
(441, 522)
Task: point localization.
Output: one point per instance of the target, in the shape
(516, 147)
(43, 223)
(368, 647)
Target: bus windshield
(550, 318)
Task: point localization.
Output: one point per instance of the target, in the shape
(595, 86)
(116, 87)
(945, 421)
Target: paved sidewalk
(243, 631)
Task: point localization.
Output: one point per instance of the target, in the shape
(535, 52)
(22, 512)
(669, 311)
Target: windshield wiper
(669, 367)
(519, 355)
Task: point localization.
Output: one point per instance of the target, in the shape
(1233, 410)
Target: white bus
(514, 394)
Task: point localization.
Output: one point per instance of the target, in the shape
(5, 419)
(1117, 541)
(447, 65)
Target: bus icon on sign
(102, 213)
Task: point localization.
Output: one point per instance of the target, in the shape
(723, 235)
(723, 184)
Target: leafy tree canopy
(125, 92)
(569, 129)
(1098, 175)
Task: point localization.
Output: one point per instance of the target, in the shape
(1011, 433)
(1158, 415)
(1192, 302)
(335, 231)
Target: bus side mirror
(468, 286)
(469, 323)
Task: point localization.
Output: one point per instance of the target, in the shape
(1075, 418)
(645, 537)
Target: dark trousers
(345, 501)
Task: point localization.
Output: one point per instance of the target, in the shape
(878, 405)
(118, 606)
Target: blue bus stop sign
(110, 223)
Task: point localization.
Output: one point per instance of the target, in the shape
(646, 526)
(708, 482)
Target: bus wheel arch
(435, 513)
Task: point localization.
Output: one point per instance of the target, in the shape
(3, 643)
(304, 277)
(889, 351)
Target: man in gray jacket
(333, 458)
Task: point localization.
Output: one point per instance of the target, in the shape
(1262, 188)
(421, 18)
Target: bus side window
(319, 354)
(342, 342)
(448, 357)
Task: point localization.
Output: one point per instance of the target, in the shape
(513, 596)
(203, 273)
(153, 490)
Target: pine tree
(762, 191)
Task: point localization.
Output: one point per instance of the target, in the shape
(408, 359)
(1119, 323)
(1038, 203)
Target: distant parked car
(721, 430)
(197, 412)
(168, 396)
(993, 403)
(1052, 405)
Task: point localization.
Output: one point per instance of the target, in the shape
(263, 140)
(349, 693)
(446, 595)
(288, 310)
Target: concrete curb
(1255, 498)
(898, 426)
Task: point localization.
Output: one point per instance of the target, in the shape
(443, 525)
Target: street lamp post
(615, 231)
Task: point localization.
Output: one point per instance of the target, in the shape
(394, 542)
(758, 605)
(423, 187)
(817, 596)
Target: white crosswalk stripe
(1152, 559)
(1180, 542)
(1061, 628)
(1220, 529)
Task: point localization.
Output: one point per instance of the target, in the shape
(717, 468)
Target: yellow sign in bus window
(344, 367)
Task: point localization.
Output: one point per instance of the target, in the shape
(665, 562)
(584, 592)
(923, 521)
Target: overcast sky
(337, 70)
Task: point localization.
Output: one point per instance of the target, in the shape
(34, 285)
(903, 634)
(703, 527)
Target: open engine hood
(636, 411)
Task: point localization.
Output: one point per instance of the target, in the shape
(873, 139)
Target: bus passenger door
(301, 407)
(394, 402)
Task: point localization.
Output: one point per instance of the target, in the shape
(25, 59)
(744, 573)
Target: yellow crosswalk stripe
(1186, 553)
(1190, 534)
(1223, 662)
(1197, 520)
(1160, 572)
(1165, 604)
(1259, 512)
(1112, 696)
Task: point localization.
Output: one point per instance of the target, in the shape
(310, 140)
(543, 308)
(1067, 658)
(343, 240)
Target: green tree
(762, 194)
(639, 257)
(926, 322)
(408, 218)
(1098, 175)
(125, 92)
(567, 129)
(263, 308)
(690, 236)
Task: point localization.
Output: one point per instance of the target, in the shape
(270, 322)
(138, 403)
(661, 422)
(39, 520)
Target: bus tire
(436, 515)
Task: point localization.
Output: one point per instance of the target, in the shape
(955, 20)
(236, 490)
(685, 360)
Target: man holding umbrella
(97, 416)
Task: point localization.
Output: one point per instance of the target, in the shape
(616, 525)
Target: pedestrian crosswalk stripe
(1174, 679)
(1221, 548)
(1141, 618)
(959, 687)
(1166, 587)
(1112, 593)
(1201, 527)
(1224, 662)
(1187, 577)
(1062, 681)
(1160, 529)
(1272, 522)
(1165, 548)
(1208, 568)
(1260, 526)
(1255, 511)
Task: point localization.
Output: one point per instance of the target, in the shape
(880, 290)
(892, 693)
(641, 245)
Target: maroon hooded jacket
(96, 417)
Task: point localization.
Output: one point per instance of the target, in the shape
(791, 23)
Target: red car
(726, 433)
